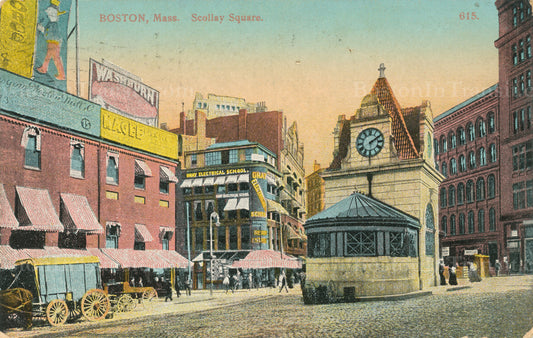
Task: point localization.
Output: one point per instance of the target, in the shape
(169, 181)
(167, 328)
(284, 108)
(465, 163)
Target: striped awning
(7, 217)
(243, 178)
(209, 181)
(142, 169)
(292, 233)
(197, 182)
(174, 258)
(231, 205)
(8, 256)
(129, 258)
(77, 214)
(166, 175)
(220, 180)
(142, 234)
(243, 204)
(232, 179)
(274, 206)
(265, 259)
(105, 261)
(186, 183)
(36, 211)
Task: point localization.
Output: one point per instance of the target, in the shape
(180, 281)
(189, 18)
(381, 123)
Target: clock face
(369, 142)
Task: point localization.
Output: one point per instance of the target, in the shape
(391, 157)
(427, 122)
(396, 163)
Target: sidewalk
(487, 284)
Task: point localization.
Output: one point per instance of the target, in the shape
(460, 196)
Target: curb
(402, 296)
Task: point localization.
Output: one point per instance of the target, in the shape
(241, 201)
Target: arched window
(436, 146)
(461, 136)
(481, 129)
(444, 169)
(443, 200)
(461, 224)
(444, 225)
(470, 222)
(462, 163)
(481, 220)
(470, 191)
(482, 157)
(471, 132)
(492, 219)
(430, 231)
(451, 196)
(452, 140)
(453, 166)
(443, 144)
(493, 156)
(460, 194)
(472, 160)
(452, 225)
(492, 122)
(491, 186)
(480, 189)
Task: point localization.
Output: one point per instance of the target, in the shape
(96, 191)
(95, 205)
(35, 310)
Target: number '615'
(468, 16)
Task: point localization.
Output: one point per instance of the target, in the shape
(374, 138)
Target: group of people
(230, 283)
(473, 274)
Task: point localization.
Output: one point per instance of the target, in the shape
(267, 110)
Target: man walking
(283, 282)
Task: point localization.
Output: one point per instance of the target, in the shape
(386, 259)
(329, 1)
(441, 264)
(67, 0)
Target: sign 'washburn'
(123, 93)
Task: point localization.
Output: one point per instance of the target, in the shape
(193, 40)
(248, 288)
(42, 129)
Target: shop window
(77, 160)
(31, 141)
(112, 168)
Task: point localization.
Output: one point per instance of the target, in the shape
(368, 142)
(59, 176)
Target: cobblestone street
(496, 307)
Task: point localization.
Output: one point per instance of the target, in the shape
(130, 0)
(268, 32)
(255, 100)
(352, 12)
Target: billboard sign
(120, 92)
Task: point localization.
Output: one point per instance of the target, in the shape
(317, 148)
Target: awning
(174, 258)
(105, 261)
(8, 256)
(7, 217)
(164, 230)
(243, 178)
(231, 205)
(209, 181)
(274, 206)
(166, 175)
(197, 182)
(244, 203)
(142, 234)
(186, 183)
(142, 169)
(271, 180)
(77, 214)
(220, 180)
(265, 259)
(36, 211)
(292, 233)
(129, 258)
(232, 179)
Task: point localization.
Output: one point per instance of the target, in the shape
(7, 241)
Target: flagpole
(77, 48)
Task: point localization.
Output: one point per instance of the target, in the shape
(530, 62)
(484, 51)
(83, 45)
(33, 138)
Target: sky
(314, 60)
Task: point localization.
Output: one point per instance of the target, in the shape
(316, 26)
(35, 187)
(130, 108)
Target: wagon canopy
(264, 259)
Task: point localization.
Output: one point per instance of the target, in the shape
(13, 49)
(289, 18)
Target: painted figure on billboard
(49, 27)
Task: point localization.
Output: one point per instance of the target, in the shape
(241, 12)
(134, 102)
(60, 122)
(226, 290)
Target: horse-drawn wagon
(63, 287)
(122, 295)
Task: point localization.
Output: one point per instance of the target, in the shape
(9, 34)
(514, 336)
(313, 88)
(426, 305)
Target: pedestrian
(235, 283)
(302, 279)
(453, 276)
(441, 273)
(188, 286)
(250, 281)
(168, 289)
(177, 287)
(497, 267)
(283, 282)
(225, 282)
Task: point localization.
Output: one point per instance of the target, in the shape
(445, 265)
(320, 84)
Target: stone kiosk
(361, 247)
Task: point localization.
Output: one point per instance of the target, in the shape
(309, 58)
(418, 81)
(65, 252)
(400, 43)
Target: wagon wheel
(95, 304)
(57, 312)
(125, 303)
(149, 294)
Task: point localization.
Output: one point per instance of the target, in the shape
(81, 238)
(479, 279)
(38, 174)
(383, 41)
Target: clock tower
(385, 151)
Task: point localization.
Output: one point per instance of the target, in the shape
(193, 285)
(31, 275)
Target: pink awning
(129, 258)
(105, 261)
(264, 259)
(78, 214)
(8, 256)
(142, 234)
(142, 169)
(7, 217)
(36, 212)
(174, 258)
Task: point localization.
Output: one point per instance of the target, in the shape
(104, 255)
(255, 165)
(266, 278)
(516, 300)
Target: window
(481, 128)
(529, 193)
(31, 141)
(453, 166)
(481, 220)
(209, 207)
(430, 231)
(443, 144)
(451, 196)
(139, 182)
(482, 157)
(233, 156)
(515, 86)
(436, 146)
(213, 158)
(491, 122)
(248, 154)
(480, 189)
(461, 135)
(233, 238)
(471, 132)
(514, 53)
(523, 156)
(528, 46)
(462, 163)
(491, 186)
(453, 140)
(492, 219)
(165, 240)
(194, 160)
(470, 222)
(443, 200)
(461, 224)
(470, 191)
(492, 155)
(444, 225)
(245, 237)
(472, 160)
(112, 235)
(77, 162)
(112, 168)
(198, 239)
(452, 225)
(198, 214)
(221, 232)
(444, 169)
(460, 194)
(357, 243)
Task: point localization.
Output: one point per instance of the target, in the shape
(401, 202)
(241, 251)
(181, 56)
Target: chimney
(316, 166)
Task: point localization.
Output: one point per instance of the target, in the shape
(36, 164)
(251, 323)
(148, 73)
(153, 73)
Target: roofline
(466, 102)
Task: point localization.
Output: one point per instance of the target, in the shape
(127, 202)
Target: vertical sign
(17, 36)
(51, 45)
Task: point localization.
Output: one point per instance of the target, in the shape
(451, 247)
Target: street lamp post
(217, 223)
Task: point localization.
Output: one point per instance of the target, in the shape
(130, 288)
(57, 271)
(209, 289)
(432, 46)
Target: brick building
(315, 191)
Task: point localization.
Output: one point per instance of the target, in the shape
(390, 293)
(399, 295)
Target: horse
(16, 306)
